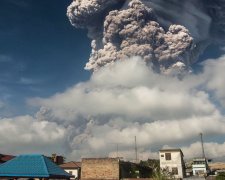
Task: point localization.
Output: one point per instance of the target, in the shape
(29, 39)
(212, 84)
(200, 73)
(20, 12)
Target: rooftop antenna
(135, 141)
(203, 152)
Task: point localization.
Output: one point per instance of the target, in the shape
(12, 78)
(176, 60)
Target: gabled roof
(32, 166)
(71, 165)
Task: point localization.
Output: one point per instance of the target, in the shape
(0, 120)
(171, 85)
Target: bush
(220, 176)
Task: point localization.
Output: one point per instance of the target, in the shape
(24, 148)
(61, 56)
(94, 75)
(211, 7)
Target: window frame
(174, 170)
(168, 156)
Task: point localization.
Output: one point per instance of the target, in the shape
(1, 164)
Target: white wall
(175, 162)
(199, 168)
(74, 172)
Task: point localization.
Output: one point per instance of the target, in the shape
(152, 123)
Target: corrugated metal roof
(34, 165)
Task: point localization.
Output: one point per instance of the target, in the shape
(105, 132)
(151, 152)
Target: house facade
(172, 160)
(200, 167)
(73, 168)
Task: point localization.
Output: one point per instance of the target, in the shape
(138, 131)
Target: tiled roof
(32, 166)
(71, 165)
(5, 158)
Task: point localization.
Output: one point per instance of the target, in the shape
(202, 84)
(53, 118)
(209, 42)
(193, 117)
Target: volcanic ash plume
(189, 13)
(168, 34)
(89, 14)
(205, 19)
(133, 31)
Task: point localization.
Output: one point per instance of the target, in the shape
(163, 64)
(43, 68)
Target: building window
(162, 155)
(168, 156)
(174, 170)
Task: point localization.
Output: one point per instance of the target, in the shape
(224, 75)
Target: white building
(74, 168)
(172, 159)
(200, 167)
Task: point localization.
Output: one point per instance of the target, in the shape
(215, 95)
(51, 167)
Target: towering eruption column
(166, 42)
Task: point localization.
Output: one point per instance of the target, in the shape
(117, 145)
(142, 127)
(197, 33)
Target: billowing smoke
(90, 14)
(189, 13)
(128, 99)
(203, 18)
(133, 32)
(167, 34)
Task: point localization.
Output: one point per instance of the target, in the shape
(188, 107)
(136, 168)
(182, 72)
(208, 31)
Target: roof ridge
(45, 164)
(76, 163)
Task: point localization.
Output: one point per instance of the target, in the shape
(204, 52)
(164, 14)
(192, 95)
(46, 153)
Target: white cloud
(24, 134)
(129, 89)
(215, 81)
(211, 149)
(118, 103)
(128, 99)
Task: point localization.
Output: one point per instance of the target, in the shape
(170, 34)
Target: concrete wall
(199, 166)
(100, 169)
(175, 162)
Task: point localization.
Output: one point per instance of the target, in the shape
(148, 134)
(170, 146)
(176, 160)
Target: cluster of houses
(171, 161)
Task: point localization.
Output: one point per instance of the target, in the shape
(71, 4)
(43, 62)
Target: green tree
(152, 163)
(162, 174)
(220, 176)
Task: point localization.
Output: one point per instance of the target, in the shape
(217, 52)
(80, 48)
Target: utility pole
(135, 141)
(117, 150)
(203, 152)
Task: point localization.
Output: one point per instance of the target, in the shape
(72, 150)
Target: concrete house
(200, 167)
(172, 159)
(74, 168)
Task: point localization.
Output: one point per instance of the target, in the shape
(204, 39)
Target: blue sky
(43, 103)
(40, 52)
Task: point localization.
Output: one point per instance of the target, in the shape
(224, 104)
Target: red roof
(5, 158)
(71, 165)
